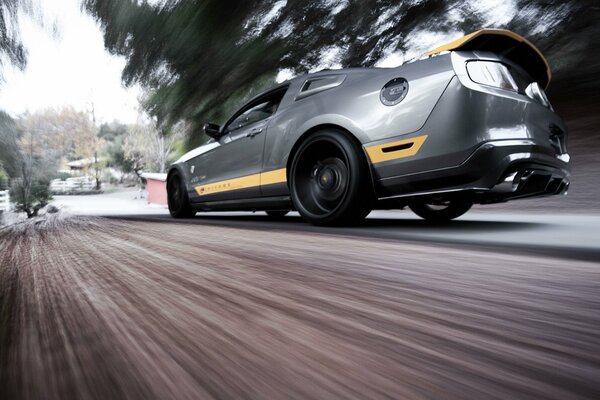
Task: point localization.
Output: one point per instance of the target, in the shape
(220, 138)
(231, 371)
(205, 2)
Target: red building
(156, 186)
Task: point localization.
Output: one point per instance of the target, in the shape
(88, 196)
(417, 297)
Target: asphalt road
(573, 236)
(242, 307)
(543, 229)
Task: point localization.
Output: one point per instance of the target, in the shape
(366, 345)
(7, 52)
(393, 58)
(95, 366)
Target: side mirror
(212, 130)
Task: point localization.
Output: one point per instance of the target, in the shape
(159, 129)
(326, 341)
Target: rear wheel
(177, 197)
(440, 211)
(330, 180)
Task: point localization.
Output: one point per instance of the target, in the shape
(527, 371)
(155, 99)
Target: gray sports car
(467, 123)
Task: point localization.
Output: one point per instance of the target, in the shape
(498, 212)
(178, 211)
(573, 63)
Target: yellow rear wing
(507, 44)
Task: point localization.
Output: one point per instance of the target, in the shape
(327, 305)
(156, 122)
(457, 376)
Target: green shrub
(63, 176)
(30, 197)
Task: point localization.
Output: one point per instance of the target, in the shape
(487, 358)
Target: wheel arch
(174, 169)
(321, 127)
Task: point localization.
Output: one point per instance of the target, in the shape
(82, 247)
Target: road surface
(575, 236)
(543, 229)
(241, 307)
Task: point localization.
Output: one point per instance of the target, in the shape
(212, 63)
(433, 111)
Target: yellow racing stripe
(393, 150)
(244, 182)
(271, 177)
(378, 153)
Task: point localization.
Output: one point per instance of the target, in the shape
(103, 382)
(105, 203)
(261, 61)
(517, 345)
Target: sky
(70, 69)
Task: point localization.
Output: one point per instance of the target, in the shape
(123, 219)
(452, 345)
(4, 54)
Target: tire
(177, 197)
(441, 211)
(277, 213)
(330, 182)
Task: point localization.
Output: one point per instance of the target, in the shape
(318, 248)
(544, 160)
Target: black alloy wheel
(177, 197)
(330, 180)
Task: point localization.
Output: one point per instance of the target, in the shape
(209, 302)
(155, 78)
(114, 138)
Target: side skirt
(257, 204)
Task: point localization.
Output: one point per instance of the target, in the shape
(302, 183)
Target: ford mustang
(467, 123)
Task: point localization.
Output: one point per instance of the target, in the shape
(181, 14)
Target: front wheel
(330, 181)
(440, 211)
(177, 198)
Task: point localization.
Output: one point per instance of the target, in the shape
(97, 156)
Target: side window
(254, 114)
(257, 111)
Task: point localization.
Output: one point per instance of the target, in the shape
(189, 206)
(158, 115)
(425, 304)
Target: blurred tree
(3, 178)
(173, 47)
(114, 134)
(9, 149)
(11, 47)
(30, 196)
(115, 151)
(38, 162)
(150, 148)
(37, 144)
(68, 133)
(12, 50)
(196, 56)
(111, 131)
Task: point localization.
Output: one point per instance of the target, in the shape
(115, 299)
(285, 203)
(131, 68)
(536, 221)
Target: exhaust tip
(516, 180)
(509, 184)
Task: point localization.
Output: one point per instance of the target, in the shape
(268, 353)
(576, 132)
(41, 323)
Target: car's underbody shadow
(295, 221)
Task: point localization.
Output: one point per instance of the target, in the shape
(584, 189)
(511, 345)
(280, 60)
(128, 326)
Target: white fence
(72, 186)
(4, 201)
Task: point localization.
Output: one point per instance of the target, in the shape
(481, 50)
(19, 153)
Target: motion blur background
(183, 63)
(496, 305)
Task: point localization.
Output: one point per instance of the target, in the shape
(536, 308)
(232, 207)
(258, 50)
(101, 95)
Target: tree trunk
(96, 170)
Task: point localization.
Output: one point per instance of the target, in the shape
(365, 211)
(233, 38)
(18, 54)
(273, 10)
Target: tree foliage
(33, 147)
(195, 56)
(11, 47)
(10, 157)
(111, 131)
(114, 135)
(30, 196)
(149, 148)
(38, 162)
(69, 134)
(12, 50)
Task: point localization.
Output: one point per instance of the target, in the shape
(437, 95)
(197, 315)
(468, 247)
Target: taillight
(492, 74)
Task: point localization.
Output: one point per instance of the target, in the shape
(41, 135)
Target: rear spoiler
(506, 44)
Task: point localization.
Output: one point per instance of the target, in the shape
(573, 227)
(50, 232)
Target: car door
(196, 164)
(236, 164)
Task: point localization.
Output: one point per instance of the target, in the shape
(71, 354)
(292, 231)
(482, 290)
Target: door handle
(254, 132)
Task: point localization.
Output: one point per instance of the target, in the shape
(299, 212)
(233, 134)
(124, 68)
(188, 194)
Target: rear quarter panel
(356, 107)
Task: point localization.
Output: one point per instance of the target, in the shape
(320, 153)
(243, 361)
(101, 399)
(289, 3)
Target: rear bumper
(496, 171)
